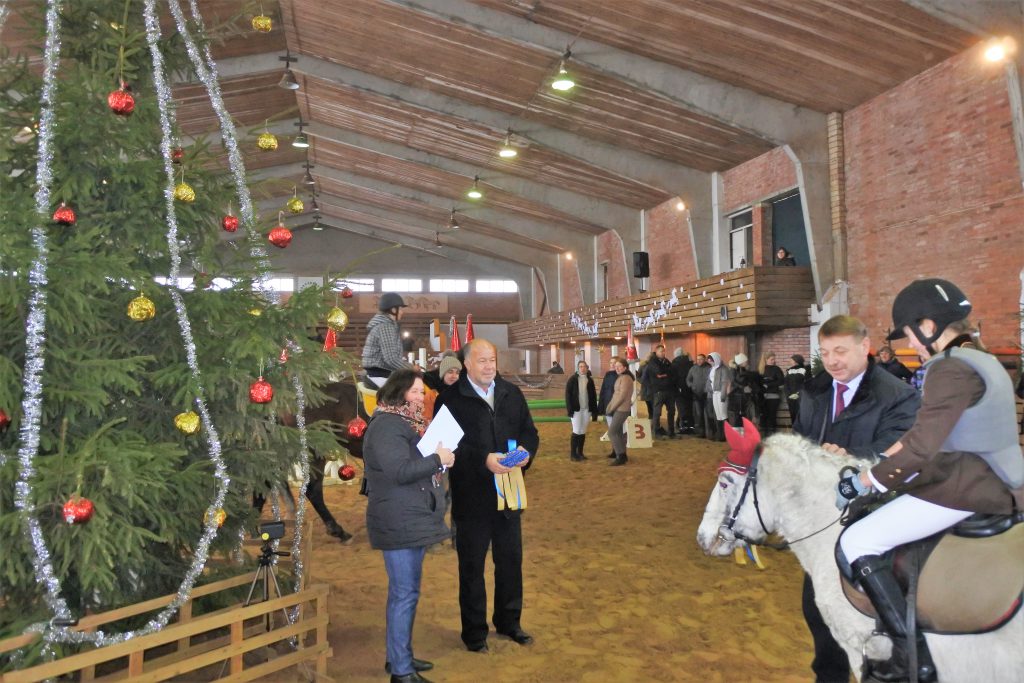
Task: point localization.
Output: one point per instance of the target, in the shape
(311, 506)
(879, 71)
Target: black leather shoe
(417, 665)
(409, 678)
(518, 635)
(478, 647)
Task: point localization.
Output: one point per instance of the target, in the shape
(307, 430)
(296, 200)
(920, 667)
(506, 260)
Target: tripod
(266, 572)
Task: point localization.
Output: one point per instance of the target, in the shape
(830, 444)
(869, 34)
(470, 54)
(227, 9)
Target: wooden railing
(741, 300)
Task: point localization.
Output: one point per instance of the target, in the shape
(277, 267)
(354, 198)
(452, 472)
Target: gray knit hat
(449, 363)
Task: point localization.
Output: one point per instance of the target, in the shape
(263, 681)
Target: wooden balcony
(760, 298)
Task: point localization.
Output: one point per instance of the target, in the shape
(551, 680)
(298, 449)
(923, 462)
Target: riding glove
(848, 488)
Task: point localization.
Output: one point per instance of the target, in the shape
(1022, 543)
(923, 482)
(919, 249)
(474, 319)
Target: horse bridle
(726, 533)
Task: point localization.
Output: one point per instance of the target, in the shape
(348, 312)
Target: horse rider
(382, 353)
(960, 457)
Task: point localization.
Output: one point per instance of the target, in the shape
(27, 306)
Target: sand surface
(616, 588)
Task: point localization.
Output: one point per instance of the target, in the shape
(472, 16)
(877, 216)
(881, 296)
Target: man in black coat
(681, 365)
(658, 376)
(696, 381)
(493, 413)
(856, 407)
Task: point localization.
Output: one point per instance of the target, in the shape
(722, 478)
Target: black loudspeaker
(641, 264)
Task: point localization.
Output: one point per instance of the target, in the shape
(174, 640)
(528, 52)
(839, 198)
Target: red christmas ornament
(121, 101)
(347, 293)
(260, 391)
(64, 215)
(454, 343)
(280, 236)
(229, 223)
(5, 420)
(177, 155)
(356, 428)
(330, 340)
(469, 328)
(347, 473)
(78, 510)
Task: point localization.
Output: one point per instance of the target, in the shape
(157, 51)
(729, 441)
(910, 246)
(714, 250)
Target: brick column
(762, 235)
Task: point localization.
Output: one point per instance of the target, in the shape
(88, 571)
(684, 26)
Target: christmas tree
(121, 395)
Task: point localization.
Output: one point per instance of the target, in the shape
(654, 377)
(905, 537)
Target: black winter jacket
(773, 380)
(881, 411)
(658, 375)
(572, 395)
(680, 369)
(405, 509)
(486, 431)
(897, 369)
(607, 390)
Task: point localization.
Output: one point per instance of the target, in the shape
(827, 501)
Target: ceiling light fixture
(563, 81)
(474, 192)
(680, 205)
(307, 178)
(453, 224)
(288, 80)
(301, 140)
(507, 151)
(316, 223)
(998, 49)
(437, 240)
(568, 256)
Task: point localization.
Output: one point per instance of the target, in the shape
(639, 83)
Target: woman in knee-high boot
(581, 404)
(618, 410)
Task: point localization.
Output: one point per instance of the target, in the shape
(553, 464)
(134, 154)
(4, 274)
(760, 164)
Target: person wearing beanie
(446, 374)
(796, 375)
(681, 365)
(449, 370)
(744, 392)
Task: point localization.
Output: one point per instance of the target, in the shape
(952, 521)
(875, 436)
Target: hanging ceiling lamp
(301, 140)
(452, 223)
(307, 178)
(507, 151)
(563, 81)
(474, 192)
(288, 80)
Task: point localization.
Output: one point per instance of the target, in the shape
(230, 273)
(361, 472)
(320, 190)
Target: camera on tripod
(271, 531)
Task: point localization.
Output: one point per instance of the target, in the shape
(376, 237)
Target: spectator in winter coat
(716, 391)
(888, 360)
(681, 365)
(744, 392)
(607, 390)
(658, 377)
(772, 382)
(796, 375)
(618, 409)
(696, 381)
(581, 404)
(784, 258)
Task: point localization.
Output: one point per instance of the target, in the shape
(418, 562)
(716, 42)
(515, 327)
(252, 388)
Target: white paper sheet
(443, 429)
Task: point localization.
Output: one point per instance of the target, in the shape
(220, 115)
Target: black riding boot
(620, 459)
(579, 448)
(574, 447)
(876, 578)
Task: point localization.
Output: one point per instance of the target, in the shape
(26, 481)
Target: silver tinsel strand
(35, 326)
(3, 13)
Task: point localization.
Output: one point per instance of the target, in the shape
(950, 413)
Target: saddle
(970, 578)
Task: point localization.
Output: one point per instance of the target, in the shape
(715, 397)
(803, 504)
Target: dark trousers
(503, 534)
(667, 399)
(769, 416)
(684, 409)
(698, 414)
(794, 408)
(713, 429)
(830, 665)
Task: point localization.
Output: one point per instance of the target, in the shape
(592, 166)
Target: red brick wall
(609, 248)
(934, 190)
(572, 290)
(762, 216)
(784, 343)
(760, 178)
(669, 246)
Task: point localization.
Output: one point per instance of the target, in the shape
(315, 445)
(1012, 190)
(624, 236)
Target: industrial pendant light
(563, 81)
(474, 192)
(307, 178)
(507, 151)
(452, 223)
(288, 80)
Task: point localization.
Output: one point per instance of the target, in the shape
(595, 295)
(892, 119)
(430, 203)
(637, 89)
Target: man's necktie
(840, 402)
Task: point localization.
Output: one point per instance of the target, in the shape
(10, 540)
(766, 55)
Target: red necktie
(840, 403)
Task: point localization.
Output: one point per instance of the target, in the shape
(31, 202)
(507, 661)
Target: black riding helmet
(390, 300)
(938, 300)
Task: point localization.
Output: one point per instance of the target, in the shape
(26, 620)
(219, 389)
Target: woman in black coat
(581, 404)
(773, 384)
(405, 512)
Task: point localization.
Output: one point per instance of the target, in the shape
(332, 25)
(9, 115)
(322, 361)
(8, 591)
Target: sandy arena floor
(616, 588)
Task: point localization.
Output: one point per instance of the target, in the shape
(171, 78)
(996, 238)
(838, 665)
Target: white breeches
(579, 421)
(903, 520)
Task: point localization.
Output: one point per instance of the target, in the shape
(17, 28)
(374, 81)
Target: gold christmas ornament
(256, 312)
(267, 141)
(141, 308)
(187, 423)
(262, 23)
(337, 319)
(220, 517)
(295, 205)
(183, 192)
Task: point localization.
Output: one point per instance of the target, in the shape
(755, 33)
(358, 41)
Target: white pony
(795, 493)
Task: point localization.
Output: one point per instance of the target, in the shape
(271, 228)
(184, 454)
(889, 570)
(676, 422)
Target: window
(281, 284)
(496, 286)
(449, 285)
(356, 284)
(401, 284)
(741, 235)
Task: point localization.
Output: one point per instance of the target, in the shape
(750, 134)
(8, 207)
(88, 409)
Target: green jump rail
(548, 404)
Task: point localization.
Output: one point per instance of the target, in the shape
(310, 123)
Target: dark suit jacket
(486, 431)
(881, 411)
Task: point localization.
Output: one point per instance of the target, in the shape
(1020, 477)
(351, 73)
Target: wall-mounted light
(680, 205)
(453, 224)
(474, 192)
(507, 151)
(568, 256)
(288, 80)
(998, 49)
(563, 81)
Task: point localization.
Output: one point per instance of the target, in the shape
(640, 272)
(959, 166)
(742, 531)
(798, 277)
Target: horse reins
(751, 484)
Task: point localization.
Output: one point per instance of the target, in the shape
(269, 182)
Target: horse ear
(750, 433)
(733, 437)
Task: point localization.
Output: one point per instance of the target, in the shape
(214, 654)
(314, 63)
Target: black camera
(271, 531)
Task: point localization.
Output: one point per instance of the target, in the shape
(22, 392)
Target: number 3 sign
(638, 432)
